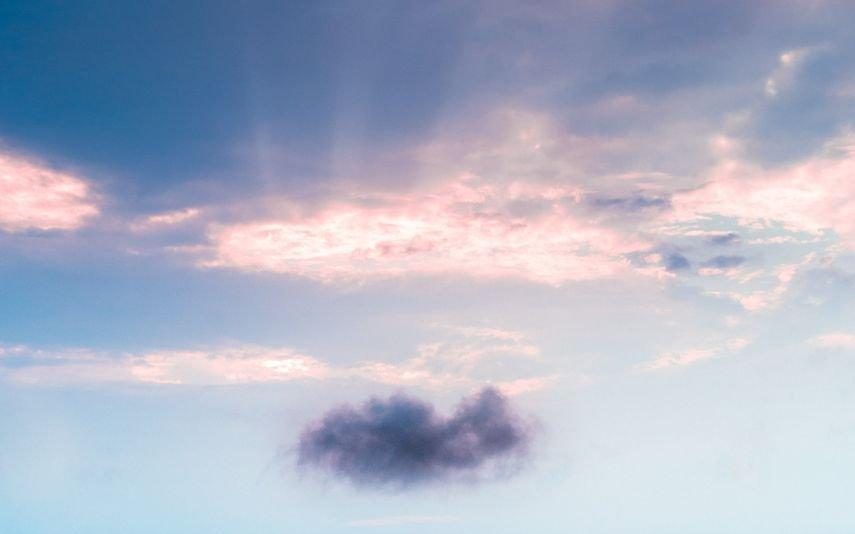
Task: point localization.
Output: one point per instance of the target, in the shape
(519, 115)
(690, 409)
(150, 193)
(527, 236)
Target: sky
(429, 267)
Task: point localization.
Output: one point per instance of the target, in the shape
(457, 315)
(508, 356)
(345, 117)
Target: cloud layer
(401, 441)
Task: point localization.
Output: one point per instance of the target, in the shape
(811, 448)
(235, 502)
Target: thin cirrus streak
(166, 219)
(35, 197)
(693, 356)
(466, 227)
(231, 365)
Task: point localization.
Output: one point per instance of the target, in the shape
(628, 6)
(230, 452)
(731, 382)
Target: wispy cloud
(462, 363)
(789, 63)
(229, 365)
(834, 340)
(166, 219)
(782, 277)
(693, 356)
(456, 362)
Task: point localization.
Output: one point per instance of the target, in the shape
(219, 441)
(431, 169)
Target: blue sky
(633, 221)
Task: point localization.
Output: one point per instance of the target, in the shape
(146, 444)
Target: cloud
(834, 340)
(474, 356)
(453, 362)
(35, 197)
(782, 277)
(229, 365)
(811, 196)
(465, 226)
(520, 386)
(401, 441)
(515, 195)
(486, 332)
(789, 63)
(514, 205)
(676, 262)
(724, 262)
(166, 219)
(480, 354)
(693, 356)
(632, 204)
(728, 238)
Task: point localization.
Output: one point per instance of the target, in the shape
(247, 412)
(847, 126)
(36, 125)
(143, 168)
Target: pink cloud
(815, 195)
(232, 365)
(781, 278)
(33, 196)
(166, 219)
(464, 226)
(834, 340)
(521, 386)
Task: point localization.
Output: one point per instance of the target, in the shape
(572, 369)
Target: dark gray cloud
(402, 441)
(724, 262)
(676, 262)
(724, 239)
